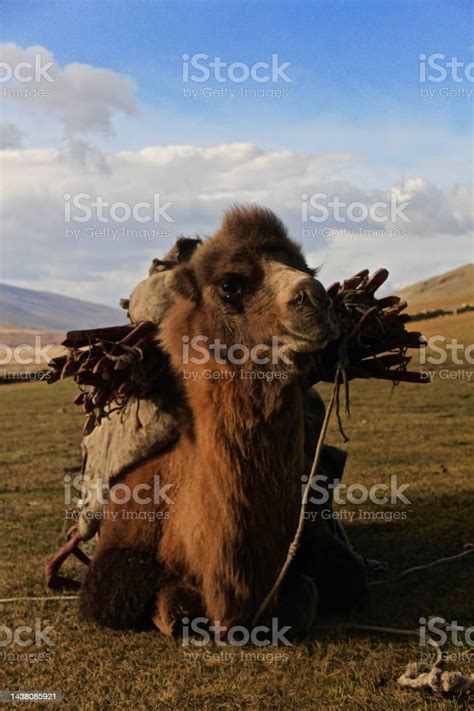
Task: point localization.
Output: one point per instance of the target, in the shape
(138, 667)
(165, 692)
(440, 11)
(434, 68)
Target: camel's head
(249, 284)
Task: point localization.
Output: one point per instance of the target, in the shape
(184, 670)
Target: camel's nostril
(310, 293)
(300, 297)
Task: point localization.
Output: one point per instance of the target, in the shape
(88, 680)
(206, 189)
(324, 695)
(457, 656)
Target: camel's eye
(231, 287)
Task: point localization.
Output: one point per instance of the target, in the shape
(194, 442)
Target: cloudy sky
(127, 124)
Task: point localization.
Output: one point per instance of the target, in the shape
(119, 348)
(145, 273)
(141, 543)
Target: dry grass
(423, 434)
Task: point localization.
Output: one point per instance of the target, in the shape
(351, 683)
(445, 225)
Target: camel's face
(249, 297)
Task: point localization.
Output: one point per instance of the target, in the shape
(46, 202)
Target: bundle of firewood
(374, 339)
(111, 365)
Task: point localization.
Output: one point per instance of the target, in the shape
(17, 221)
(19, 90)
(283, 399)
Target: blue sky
(353, 57)
(352, 45)
(372, 39)
(353, 109)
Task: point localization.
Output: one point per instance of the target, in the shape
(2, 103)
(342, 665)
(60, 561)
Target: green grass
(423, 434)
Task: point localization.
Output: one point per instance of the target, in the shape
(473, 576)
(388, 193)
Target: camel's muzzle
(312, 313)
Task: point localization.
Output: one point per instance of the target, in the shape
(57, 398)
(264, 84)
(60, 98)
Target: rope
(296, 539)
(425, 567)
(435, 679)
(40, 599)
(418, 675)
(366, 628)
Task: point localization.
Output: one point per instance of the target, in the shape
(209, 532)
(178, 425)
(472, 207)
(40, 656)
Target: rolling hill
(25, 312)
(46, 311)
(444, 291)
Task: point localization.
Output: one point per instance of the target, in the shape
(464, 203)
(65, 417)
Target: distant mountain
(445, 291)
(44, 310)
(47, 311)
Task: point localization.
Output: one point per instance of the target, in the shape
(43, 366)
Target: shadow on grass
(440, 527)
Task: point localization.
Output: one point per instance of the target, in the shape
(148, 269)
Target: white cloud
(81, 97)
(200, 183)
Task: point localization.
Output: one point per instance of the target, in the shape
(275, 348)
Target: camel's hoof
(61, 582)
(296, 605)
(53, 565)
(54, 581)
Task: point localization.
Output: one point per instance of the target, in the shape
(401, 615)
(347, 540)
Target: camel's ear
(184, 282)
(186, 246)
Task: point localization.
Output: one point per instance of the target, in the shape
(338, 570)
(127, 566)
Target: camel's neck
(249, 426)
(249, 459)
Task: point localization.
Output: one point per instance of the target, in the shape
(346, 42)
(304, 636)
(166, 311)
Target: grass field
(422, 434)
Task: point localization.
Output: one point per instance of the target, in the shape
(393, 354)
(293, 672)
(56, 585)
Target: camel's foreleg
(177, 604)
(120, 588)
(53, 565)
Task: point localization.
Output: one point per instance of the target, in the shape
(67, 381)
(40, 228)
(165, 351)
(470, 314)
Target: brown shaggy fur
(216, 546)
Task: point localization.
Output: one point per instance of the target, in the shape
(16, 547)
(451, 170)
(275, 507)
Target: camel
(214, 540)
